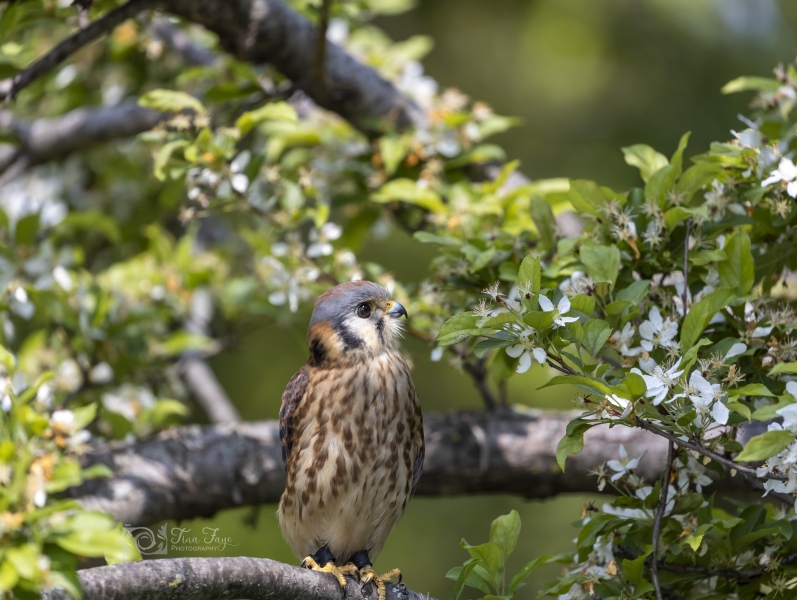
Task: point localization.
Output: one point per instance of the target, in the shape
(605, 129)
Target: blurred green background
(586, 78)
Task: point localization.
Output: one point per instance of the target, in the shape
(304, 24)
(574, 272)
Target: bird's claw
(339, 572)
(367, 576)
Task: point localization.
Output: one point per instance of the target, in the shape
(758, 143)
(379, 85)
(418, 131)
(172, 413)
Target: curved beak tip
(397, 310)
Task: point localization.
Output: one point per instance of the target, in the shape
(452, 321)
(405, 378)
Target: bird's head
(353, 320)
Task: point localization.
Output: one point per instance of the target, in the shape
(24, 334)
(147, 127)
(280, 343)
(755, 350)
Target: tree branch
(193, 471)
(44, 140)
(198, 375)
(11, 86)
(663, 493)
(706, 452)
(213, 578)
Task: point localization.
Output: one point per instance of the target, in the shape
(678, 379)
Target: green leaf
(180, 342)
(164, 155)
(8, 576)
(530, 273)
(458, 328)
(634, 569)
(644, 158)
(596, 332)
(593, 386)
(747, 83)
(491, 343)
(766, 413)
(786, 367)
(543, 218)
(738, 272)
(488, 555)
(751, 389)
(393, 149)
(170, 101)
(462, 574)
(425, 237)
(24, 559)
(273, 111)
(741, 409)
(407, 190)
(504, 533)
(84, 415)
(9, 361)
(765, 445)
(572, 442)
(586, 196)
(678, 214)
(528, 568)
(701, 313)
(602, 262)
(635, 292)
(583, 303)
(27, 228)
(690, 356)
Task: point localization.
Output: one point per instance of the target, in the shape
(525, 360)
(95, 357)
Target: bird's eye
(364, 310)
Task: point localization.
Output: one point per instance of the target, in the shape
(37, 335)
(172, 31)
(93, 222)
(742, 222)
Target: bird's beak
(396, 310)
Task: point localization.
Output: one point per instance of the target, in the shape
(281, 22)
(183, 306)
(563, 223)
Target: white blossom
(657, 331)
(623, 339)
(786, 172)
(562, 308)
(703, 394)
(624, 465)
(521, 351)
(620, 404)
(659, 381)
(437, 354)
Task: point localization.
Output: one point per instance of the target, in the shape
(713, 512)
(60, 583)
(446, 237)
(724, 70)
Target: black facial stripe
(380, 330)
(316, 350)
(350, 340)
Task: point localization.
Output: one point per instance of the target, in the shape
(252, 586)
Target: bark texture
(195, 471)
(214, 578)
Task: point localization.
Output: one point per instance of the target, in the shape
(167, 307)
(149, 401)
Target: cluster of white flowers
(785, 462)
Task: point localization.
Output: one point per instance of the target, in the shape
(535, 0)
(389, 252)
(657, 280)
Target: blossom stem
(706, 452)
(685, 293)
(665, 486)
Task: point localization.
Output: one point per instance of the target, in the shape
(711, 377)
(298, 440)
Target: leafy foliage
(668, 309)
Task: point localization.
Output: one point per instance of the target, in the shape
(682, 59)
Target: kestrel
(352, 435)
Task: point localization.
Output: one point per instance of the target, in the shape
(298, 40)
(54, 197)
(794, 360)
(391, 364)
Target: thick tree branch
(11, 86)
(44, 140)
(194, 471)
(213, 578)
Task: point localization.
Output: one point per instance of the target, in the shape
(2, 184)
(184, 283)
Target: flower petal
(564, 305)
(720, 413)
(540, 355)
(525, 363)
(545, 304)
(516, 350)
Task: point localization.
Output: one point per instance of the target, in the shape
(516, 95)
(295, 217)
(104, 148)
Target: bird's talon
(339, 572)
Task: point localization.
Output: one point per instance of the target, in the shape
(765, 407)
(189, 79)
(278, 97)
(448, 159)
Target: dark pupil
(364, 311)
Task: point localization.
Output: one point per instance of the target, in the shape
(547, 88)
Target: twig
(319, 67)
(665, 486)
(479, 375)
(685, 293)
(706, 452)
(11, 86)
(197, 373)
(744, 576)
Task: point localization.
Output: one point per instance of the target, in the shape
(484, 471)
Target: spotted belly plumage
(353, 456)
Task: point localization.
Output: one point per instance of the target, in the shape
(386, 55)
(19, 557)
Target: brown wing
(293, 394)
(418, 468)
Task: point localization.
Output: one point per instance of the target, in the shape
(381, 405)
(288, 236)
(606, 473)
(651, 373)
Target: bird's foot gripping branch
(670, 313)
